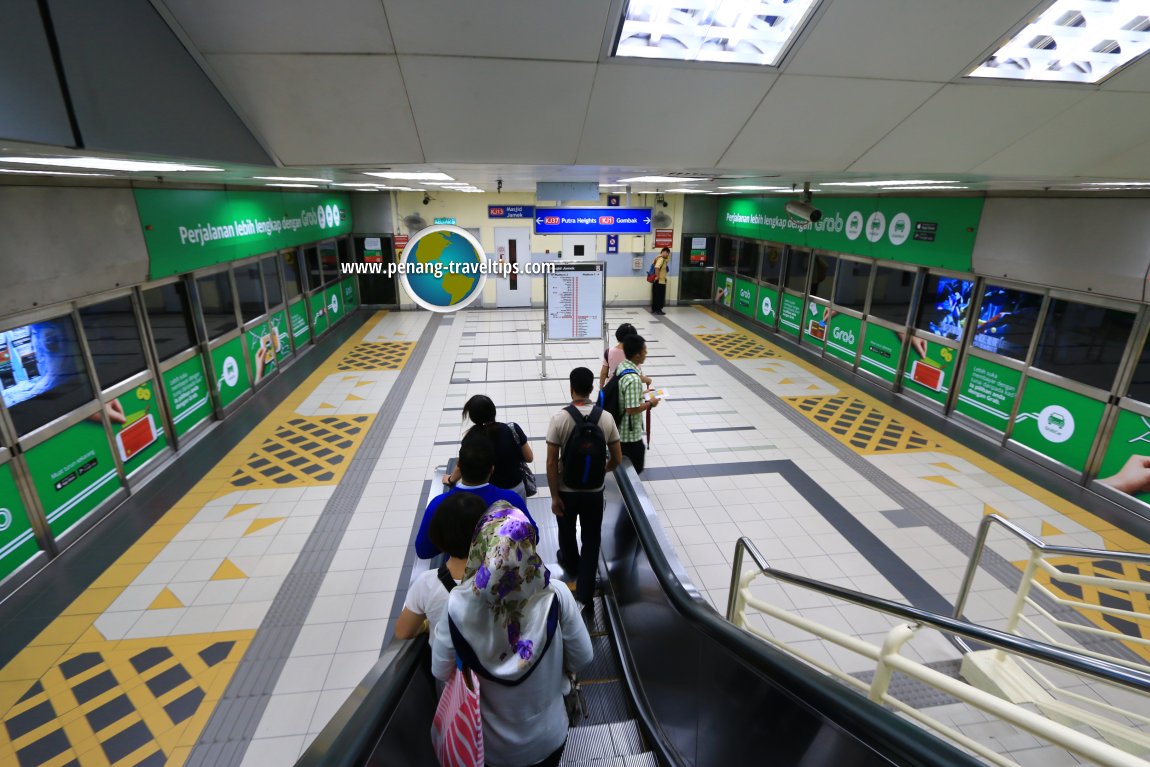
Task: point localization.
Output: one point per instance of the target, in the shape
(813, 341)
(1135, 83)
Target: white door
(512, 246)
(580, 246)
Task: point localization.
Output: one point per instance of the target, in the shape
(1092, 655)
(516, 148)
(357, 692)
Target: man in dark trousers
(584, 504)
(659, 286)
(633, 401)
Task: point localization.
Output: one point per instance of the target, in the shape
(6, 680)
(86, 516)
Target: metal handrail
(1098, 669)
(1036, 544)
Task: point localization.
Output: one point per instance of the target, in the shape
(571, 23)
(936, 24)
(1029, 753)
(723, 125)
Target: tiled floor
(271, 587)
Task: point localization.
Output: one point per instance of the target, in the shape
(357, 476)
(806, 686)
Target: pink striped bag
(457, 730)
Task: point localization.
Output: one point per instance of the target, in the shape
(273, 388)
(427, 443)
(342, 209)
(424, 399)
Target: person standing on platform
(578, 494)
(613, 356)
(632, 400)
(659, 286)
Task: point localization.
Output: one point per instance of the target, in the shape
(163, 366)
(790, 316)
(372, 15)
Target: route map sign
(592, 220)
(574, 301)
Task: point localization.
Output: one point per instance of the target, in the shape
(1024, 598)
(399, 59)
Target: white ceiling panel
(1132, 164)
(1090, 132)
(673, 116)
(822, 123)
(932, 40)
(323, 110)
(992, 117)
(283, 26)
(1135, 77)
(559, 30)
(535, 115)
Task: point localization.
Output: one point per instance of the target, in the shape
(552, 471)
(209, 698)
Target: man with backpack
(582, 446)
(631, 400)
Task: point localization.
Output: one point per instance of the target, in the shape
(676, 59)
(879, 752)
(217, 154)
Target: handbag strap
(445, 578)
(465, 653)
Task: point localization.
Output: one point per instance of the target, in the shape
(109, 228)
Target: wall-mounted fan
(662, 220)
(414, 223)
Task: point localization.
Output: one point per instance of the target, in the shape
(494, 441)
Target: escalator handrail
(882, 730)
(352, 733)
(1039, 651)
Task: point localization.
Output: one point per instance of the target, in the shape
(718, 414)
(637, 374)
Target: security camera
(426, 198)
(663, 203)
(498, 185)
(804, 211)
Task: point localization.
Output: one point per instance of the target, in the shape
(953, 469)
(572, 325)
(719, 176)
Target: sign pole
(543, 350)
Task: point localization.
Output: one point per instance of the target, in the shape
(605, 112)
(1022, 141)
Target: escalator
(672, 683)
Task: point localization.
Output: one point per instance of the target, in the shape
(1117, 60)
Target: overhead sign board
(510, 211)
(445, 221)
(592, 220)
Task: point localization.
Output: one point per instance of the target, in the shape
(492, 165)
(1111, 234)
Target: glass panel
(944, 306)
(311, 264)
(1006, 321)
(1140, 385)
(169, 314)
(851, 283)
(250, 289)
(271, 269)
(42, 373)
(893, 294)
(292, 275)
(772, 264)
(114, 340)
(798, 262)
(1082, 342)
(728, 253)
(749, 259)
(217, 304)
(695, 285)
(330, 258)
(823, 276)
(344, 250)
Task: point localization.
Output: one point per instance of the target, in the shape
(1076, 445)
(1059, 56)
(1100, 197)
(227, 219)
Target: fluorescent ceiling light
(292, 178)
(1117, 183)
(50, 172)
(605, 186)
(758, 188)
(661, 180)
(445, 183)
(727, 31)
(1074, 42)
(105, 163)
(399, 189)
(356, 184)
(897, 181)
(908, 188)
(687, 191)
(411, 176)
(297, 186)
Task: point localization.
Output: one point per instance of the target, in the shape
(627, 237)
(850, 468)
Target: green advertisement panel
(300, 330)
(260, 343)
(988, 392)
(140, 437)
(880, 353)
(187, 393)
(767, 310)
(843, 334)
(927, 232)
(1128, 456)
(281, 338)
(929, 369)
(815, 317)
(744, 301)
(1057, 423)
(724, 290)
(73, 473)
(187, 229)
(333, 299)
(229, 371)
(350, 294)
(318, 315)
(791, 314)
(17, 542)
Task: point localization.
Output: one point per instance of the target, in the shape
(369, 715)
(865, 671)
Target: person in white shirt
(519, 632)
(451, 530)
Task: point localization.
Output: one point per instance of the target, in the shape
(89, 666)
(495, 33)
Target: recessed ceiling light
(297, 186)
(727, 31)
(758, 188)
(606, 186)
(1117, 183)
(902, 182)
(411, 176)
(106, 163)
(50, 173)
(292, 178)
(687, 191)
(908, 188)
(356, 184)
(660, 180)
(1075, 42)
(399, 189)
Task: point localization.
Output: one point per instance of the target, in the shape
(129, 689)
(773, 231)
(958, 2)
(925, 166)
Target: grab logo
(875, 226)
(1055, 423)
(854, 225)
(843, 336)
(768, 306)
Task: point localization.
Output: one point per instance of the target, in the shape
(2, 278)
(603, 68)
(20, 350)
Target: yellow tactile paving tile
(154, 708)
(1111, 598)
(866, 429)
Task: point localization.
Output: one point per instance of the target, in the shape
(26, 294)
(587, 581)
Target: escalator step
(603, 741)
(597, 624)
(607, 701)
(635, 760)
(604, 664)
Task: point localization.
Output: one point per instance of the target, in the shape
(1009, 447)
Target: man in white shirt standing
(582, 446)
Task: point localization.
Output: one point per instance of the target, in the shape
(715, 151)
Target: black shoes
(563, 563)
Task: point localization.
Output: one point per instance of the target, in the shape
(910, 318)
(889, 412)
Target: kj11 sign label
(592, 220)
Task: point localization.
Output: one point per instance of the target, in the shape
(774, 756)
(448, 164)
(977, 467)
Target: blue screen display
(946, 302)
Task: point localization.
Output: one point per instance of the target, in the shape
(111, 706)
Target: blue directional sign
(511, 211)
(612, 243)
(592, 220)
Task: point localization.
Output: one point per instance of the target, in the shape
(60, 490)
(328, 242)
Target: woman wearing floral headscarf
(519, 633)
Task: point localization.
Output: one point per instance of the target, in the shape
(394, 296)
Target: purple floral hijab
(501, 606)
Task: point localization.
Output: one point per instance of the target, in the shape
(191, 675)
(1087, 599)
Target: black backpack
(609, 396)
(585, 452)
